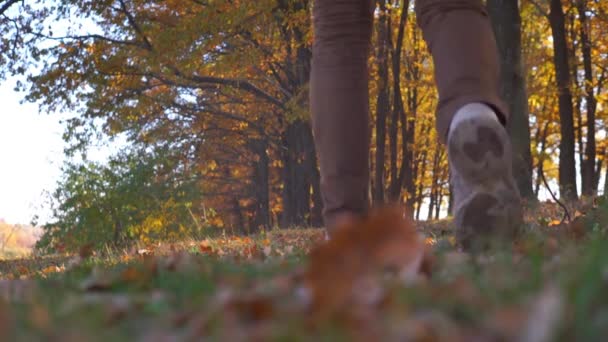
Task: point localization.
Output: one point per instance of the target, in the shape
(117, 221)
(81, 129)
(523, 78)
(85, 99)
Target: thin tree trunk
(434, 181)
(382, 104)
(261, 184)
(588, 174)
(541, 157)
(567, 169)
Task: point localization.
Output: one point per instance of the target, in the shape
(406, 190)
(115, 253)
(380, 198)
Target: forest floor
(549, 285)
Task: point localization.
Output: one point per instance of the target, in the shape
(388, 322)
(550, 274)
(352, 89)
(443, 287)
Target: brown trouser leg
(461, 41)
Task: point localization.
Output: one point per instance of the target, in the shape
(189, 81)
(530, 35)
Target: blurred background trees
(212, 98)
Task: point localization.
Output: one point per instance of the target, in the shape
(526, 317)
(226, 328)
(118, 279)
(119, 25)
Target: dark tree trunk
(316, 218)
(567, 168)
(398, 175)
(297, 174)
(261, 185)
(237, 220)
(506, 20)
(588, 167)
(301, 196)
(382, 104)
(408, 168)
(435, 184)
(543, 132)
(573, 35)
(606, 182)
(450, 199)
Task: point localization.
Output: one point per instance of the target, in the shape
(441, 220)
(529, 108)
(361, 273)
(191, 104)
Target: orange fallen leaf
(86, 251)
(205, 247)
(383, 240)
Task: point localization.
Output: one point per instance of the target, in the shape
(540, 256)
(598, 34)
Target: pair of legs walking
(470, 115)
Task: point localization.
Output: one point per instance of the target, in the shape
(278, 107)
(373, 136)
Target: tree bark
(261, 184)
(506, 20)
(567, 168)
(382, 103)
(588, 167)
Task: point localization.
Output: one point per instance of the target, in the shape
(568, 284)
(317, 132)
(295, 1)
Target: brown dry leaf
(251, 308)
(86, 251)
(356, 252)
(131, 274)
(205, 247)
(23, 270)
(40, 318)
(52, 269)
(99, 280)
(576, 228)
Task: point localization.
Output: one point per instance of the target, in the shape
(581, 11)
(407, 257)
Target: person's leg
(340, 104)
(471, 116)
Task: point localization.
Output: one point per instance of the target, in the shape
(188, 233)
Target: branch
(566, 212)
(539, 8)
(7, 5)
(89, 36)
(135, 26)
(235, 83)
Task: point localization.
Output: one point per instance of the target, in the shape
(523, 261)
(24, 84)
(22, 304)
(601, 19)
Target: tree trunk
(316, 218)
(588, 167)
(398, 175)
(506, 20)
(435, 186)
(541, 157)
(298, 174)
(606, 182)
(408, 131)
(382, 103)
(567, 168)
(261, 185)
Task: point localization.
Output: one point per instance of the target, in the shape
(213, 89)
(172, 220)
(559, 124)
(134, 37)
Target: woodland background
(212, 98)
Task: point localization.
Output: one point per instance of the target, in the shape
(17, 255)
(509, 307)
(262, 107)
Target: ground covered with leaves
(549, 285)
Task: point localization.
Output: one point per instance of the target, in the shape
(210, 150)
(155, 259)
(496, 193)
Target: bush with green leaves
(138, 195)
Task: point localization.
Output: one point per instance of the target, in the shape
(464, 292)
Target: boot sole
(480, 151)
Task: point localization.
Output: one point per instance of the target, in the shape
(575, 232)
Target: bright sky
(31, 155)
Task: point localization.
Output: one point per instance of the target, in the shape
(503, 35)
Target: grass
(551, 285)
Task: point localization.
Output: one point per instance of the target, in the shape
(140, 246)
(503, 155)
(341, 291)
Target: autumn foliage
(223, 87)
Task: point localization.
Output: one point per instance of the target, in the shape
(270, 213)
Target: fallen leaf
(205, 247)
(144, 251)
(40, 318)
(98, 281)
(356, 254)
(86, 251)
